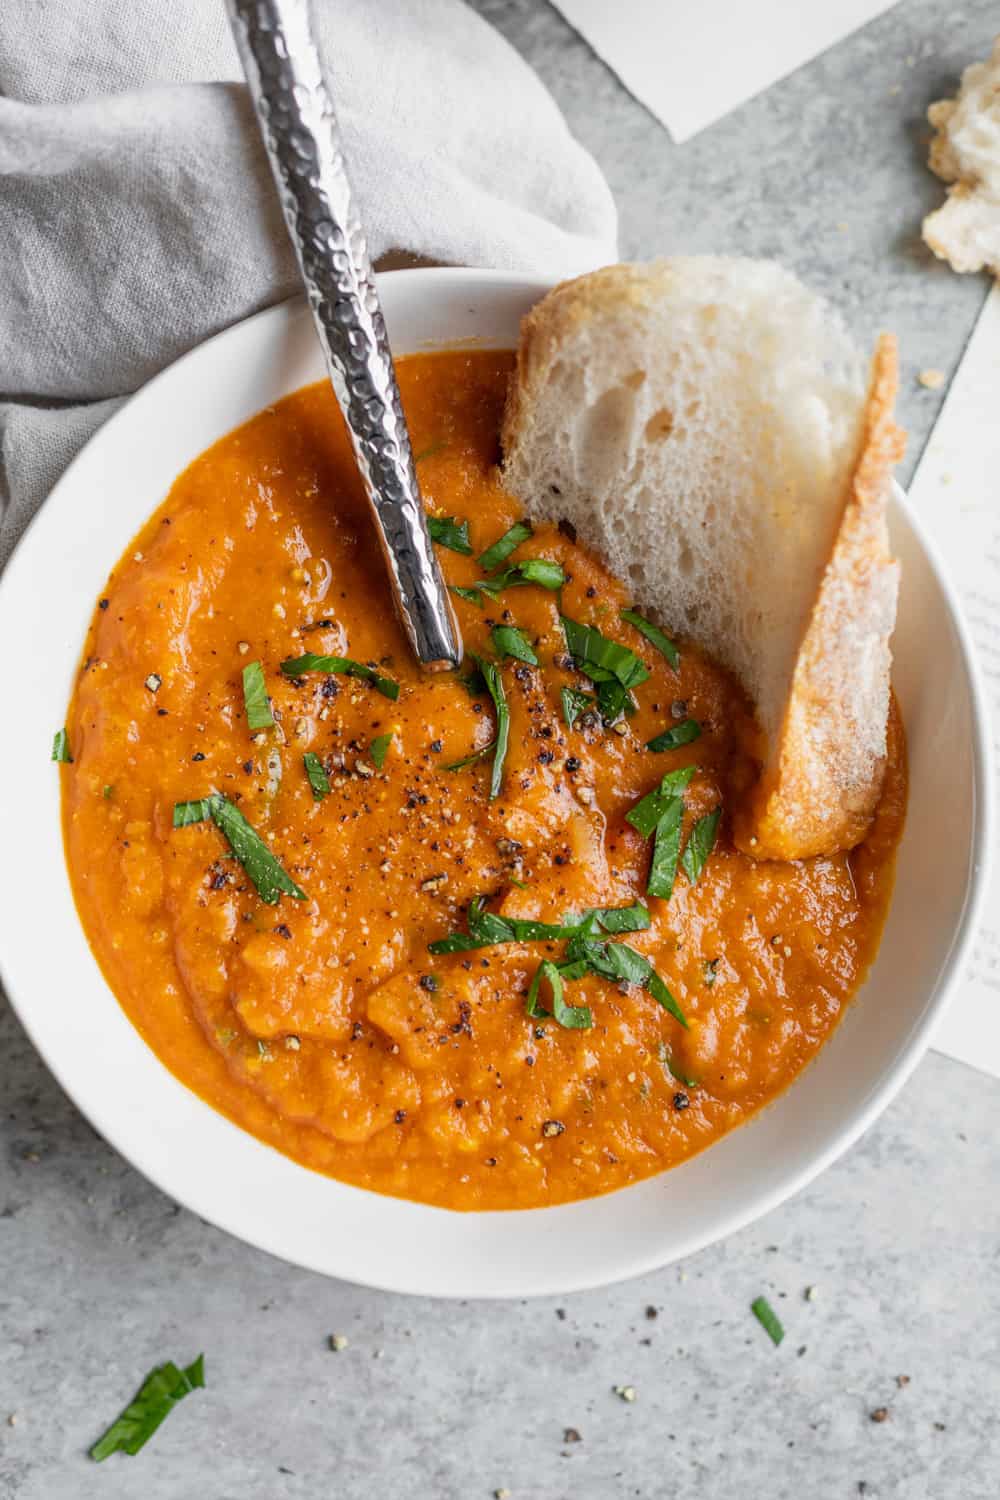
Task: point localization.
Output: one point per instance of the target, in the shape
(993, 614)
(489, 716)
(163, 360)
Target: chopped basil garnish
(258, 706)
(645, 815)
(768, 1319)
(380, 749)
(486, 928)
(297, 666)
(541, 570)
(253, 854)
(700, 844)
(656, 637)
(473, 759)
(501, 550)
(494, 684)
(186, 813)
(666, 851)
(573, 1017)
(509, 641)
(429, 451)
(683, 733)
(472, 596)
(575, 703)
(600, 658)
(156, 1399)
(449, 532)
(60, 747)
(619, 962)
(318, 779)
(671, 1066)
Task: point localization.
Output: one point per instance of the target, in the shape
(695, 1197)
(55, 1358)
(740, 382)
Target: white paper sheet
(956, 495)
(690, 64)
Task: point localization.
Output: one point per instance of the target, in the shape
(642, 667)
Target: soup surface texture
(324, 1025)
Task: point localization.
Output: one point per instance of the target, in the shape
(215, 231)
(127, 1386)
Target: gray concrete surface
(101, 1276)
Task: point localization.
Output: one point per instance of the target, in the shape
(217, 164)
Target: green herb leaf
(666, 851)
(186, 813)
(575, 703)
(501, 550)
(156, 1399)
(450, 532)
(680, 734)
(494, 684)
(541, 570)
(656, 637)
(509, 641)
(297, 666)
(380, 749)
(472, 596)
(700, 844)
(634, 918)
(768, 1319)
(646, 814)
(617, 962)
(613, 700)
(600, 658)
(473, 759)
(258, 707)
(263, 869)
(573, 1017)
(429, 452)
(473, 682)
(318, 779)
(60, 747)
(671, 1066)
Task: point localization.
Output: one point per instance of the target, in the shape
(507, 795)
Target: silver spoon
(294, 110)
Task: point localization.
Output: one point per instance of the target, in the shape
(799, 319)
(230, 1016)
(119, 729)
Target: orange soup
(335, 946)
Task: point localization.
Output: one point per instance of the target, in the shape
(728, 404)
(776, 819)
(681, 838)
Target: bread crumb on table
(932, 379)
(965, 153)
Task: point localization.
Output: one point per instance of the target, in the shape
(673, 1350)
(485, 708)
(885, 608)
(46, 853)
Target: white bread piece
(706, 425)
(965, 152)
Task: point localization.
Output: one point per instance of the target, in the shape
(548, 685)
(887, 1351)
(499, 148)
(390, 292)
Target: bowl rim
(628, 1266)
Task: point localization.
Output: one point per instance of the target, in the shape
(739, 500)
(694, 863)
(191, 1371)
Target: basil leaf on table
(155, 1400)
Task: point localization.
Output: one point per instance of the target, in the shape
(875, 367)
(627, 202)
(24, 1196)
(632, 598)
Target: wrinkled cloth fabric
(138, 215)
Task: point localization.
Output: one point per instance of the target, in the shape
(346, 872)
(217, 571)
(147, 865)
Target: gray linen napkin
(137, 213)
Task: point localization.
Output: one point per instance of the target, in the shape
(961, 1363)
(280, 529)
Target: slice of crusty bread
(708, 427)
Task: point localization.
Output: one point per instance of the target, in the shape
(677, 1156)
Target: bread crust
(820, 788)
(823, 771)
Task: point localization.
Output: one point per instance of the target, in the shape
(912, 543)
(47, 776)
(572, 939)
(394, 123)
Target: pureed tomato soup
(339, 1023)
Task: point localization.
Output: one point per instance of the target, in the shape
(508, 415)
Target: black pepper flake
(546, 757)
(161, 713)
(572, 764)
(491, 1161)
(198, 755)
(591, 592)
(436, 747)
(551, 1128)
(103, 603)
(652, 1312)
(329, 688)
(357, 1031)
(459, 1103)
(399, 1116)
(681, 1100)
(522, 674)
(559, 859)
(248, 766)
(679, 708)
(880, 1414)
(428, 982)
(571, 1435)
(283, 931)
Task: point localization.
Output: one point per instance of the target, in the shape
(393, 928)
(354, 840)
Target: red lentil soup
(322, 1021)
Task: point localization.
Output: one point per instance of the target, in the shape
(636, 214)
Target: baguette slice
(708, 427)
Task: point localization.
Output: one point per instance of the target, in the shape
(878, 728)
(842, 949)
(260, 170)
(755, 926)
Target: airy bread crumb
(965, 152)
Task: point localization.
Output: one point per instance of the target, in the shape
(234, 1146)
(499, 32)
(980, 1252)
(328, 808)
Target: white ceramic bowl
(228, 1177)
